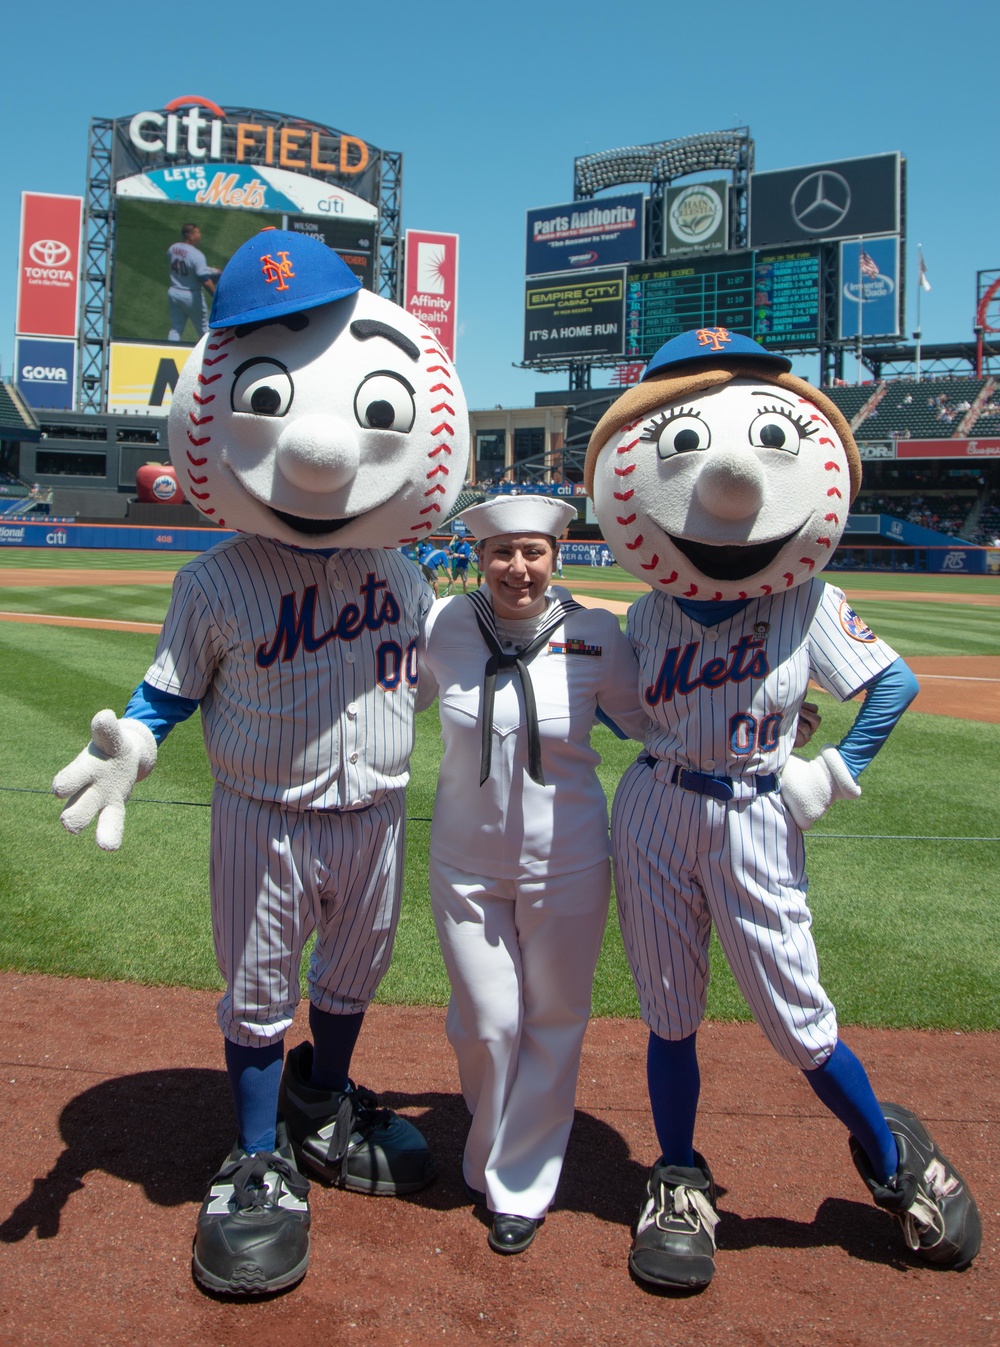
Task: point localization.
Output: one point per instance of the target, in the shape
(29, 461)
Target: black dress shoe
(511, 1234)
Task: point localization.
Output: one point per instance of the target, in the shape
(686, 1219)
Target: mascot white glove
(100, 779)
(810, 788)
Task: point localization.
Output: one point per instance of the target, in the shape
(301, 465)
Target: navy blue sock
(842, 1084)
(334, 1037)
(254, 1077)
(674, 1086)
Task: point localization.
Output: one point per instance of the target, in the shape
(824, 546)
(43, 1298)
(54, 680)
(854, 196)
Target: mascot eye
(262, 387)
(774, 428)
(384, 401)
(679, 432)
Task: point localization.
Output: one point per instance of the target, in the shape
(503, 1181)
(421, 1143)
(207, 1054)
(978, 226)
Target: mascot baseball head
(314, 412)
(720, 475)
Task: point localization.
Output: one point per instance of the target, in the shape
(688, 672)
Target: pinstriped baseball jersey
(305, 667)
(724, 699)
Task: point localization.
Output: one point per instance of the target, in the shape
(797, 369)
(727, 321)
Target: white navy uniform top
(511, 826)
(724, 699)
(304, 665)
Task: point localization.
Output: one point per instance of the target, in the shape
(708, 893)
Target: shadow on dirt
(166, 1132)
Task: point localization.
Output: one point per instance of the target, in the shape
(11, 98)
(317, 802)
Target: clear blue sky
(489, 105)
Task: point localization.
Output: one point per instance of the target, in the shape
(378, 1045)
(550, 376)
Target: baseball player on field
(724, 483)
(309, 418)
(460, 553)
(434, 563)
(190, 278)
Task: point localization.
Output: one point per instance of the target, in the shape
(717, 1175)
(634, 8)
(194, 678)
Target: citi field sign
(191, 129)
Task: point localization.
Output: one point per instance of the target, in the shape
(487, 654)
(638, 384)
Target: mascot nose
(731, 484)
(318, 453)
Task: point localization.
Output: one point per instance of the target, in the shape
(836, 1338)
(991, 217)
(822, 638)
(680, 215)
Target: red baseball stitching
(444, 429)
(200, 440)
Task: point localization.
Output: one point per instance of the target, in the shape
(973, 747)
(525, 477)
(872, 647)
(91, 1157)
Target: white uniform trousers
(683, 861)
(280, 874)
(520, 955)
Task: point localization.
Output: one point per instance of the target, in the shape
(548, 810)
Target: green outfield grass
(90, 559)
(907, 923)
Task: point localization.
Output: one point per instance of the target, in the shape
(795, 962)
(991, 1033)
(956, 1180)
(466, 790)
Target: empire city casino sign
(191, 128)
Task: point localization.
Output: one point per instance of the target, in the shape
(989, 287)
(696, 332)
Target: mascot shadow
(167, 1132)
(164, 1131)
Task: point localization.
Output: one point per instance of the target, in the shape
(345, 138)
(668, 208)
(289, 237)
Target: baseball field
(109, 979)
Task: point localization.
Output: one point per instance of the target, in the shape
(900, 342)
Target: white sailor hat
(518, 514)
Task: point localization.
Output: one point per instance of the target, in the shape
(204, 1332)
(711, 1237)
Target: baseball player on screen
(190, 278)
(310, 418)
(724, 483)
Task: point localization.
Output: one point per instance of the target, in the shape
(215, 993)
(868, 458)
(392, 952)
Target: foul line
(410, 818)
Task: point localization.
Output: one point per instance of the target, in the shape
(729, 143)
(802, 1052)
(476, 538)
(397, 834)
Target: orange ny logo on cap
(276, 271)
(713, 337)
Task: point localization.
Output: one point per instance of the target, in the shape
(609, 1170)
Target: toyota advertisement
(48, 274)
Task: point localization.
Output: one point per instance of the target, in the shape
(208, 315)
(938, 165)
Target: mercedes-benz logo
(49, 253)
(821, 201)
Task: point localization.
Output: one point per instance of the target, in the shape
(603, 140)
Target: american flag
(868, 266)
(924, 282)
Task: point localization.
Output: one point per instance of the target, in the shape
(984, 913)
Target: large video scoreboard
(772, 296)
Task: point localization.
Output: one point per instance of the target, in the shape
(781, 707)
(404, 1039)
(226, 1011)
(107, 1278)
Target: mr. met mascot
(724, 483)
(328, 427)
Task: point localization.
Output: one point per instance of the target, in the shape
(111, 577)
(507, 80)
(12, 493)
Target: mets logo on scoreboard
(856, 628)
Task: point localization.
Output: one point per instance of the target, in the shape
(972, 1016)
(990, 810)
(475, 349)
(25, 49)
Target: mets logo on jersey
(856, 629)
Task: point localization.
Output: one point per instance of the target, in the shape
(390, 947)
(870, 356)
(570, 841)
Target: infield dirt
(114, 1114)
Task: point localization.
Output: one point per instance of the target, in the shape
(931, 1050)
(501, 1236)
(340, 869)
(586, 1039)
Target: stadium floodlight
(663, 161)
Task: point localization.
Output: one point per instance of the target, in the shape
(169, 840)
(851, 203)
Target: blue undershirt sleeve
(886, 698)
(159, 711)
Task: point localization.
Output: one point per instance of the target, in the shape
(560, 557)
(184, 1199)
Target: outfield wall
(957, 559)
(126, 537)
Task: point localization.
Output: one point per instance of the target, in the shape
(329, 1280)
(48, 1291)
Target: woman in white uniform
(519, 869)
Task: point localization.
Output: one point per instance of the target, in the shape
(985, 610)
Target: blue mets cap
(715, 344)
(278, 272)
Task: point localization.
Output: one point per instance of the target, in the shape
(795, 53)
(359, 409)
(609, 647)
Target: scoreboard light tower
(660, 164)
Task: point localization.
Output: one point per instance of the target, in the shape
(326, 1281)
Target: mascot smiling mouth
(730, 561)
(312, 527)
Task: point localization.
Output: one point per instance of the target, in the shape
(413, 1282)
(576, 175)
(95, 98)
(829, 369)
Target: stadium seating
(931, 409)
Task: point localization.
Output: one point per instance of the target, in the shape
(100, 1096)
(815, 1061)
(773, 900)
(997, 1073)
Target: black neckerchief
(499, 660)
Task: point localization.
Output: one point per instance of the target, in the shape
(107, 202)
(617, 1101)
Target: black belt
(719, 787)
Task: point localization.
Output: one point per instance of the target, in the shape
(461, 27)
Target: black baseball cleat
(346, 1139)
(674, 1243)
(253, 1228)
(927, 1195)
